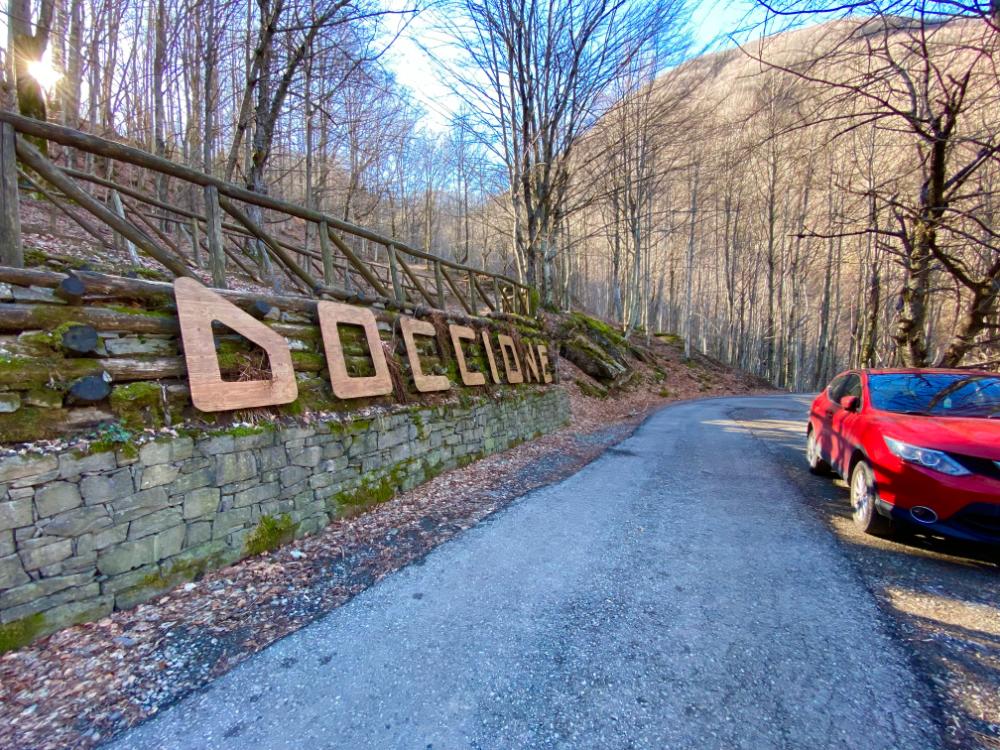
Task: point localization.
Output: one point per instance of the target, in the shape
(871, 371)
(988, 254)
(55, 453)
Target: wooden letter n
(197, 308)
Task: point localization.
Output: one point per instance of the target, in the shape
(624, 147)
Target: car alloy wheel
(813, 455)
(864, 495)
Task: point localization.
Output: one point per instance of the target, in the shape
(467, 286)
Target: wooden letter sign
(511, 363)
(458, 334)
(197, 308)
(344, 386)
(489, 356)
(424, 383)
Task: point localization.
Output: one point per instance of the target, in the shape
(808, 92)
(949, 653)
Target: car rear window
(937, 394)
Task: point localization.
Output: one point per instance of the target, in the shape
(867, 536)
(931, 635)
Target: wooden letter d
(197, 308)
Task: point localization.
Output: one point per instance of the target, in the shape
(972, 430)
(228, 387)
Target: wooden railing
(223, 227)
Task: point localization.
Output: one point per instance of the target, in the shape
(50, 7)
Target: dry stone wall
(82, 535)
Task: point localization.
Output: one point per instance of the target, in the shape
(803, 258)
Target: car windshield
(937, 394)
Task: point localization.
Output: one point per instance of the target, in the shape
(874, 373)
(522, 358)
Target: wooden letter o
(345, 386)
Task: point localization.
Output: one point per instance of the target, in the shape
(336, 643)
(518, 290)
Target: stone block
(237, 539)
(57, 497)
(79, 521)
(333, 450)
(107, 487)
(126, 346)
(44, 551)
(156, 452)
(201, 502)
(122, 581)
(295, 489)
(101, 539)
(291, 475)
(234, 467)
(401, 453)
(229, 521)
(259, 494)
(44, 398)
(155, 522)
(194, 480)
(16, 468)
(15, 514)
(168, 542)
(126, 556)
(392, 438)
(198, 533)
(246, 484)
(70, 466)
(79, 563)
(320, 480)
(216, 445)
(48, 587)
(257, 440)
(291, 434)
(157, 475)
(139, 504)
(72, 613)
(6, 543)
(336, 465)
(196, 463)
(307, 457)
(181, 449)
(126, 457)
(273, 458)
(12, 572)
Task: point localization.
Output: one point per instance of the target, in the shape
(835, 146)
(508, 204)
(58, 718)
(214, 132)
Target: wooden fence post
(397, 287)
(213, 229)
(324, 246)
(439, 280)
(11, 252)
(472, 290)
(116, 204)
(195, 241)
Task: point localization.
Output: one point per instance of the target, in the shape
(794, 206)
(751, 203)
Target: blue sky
(711, 23)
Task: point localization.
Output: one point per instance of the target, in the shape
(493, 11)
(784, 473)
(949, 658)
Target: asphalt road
(676, 593)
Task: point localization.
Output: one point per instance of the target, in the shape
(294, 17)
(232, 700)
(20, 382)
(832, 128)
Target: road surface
(676, 593)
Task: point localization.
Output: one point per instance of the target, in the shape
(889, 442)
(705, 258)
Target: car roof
(923, 371)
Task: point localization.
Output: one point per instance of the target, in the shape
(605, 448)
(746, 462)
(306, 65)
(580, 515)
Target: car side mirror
(850, 403)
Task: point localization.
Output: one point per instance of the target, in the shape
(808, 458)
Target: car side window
(851, 387)
(834, 389)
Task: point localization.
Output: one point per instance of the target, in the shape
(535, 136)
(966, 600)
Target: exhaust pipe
(923, 514)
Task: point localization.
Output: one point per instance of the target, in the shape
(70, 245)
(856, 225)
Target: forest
(819, 194)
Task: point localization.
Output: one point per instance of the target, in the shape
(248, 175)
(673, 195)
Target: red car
(919, 447)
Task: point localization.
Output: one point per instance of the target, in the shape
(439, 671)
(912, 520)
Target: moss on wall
(270, 534)
(20, 632)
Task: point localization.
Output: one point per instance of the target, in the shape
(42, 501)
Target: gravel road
(676, 593)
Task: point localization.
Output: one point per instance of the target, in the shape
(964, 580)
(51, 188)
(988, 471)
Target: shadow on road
(943, 597)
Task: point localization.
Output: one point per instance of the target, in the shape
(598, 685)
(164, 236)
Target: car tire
(815, 456)
(864, 498)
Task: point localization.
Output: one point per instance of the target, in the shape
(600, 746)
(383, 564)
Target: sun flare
(45, 73)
